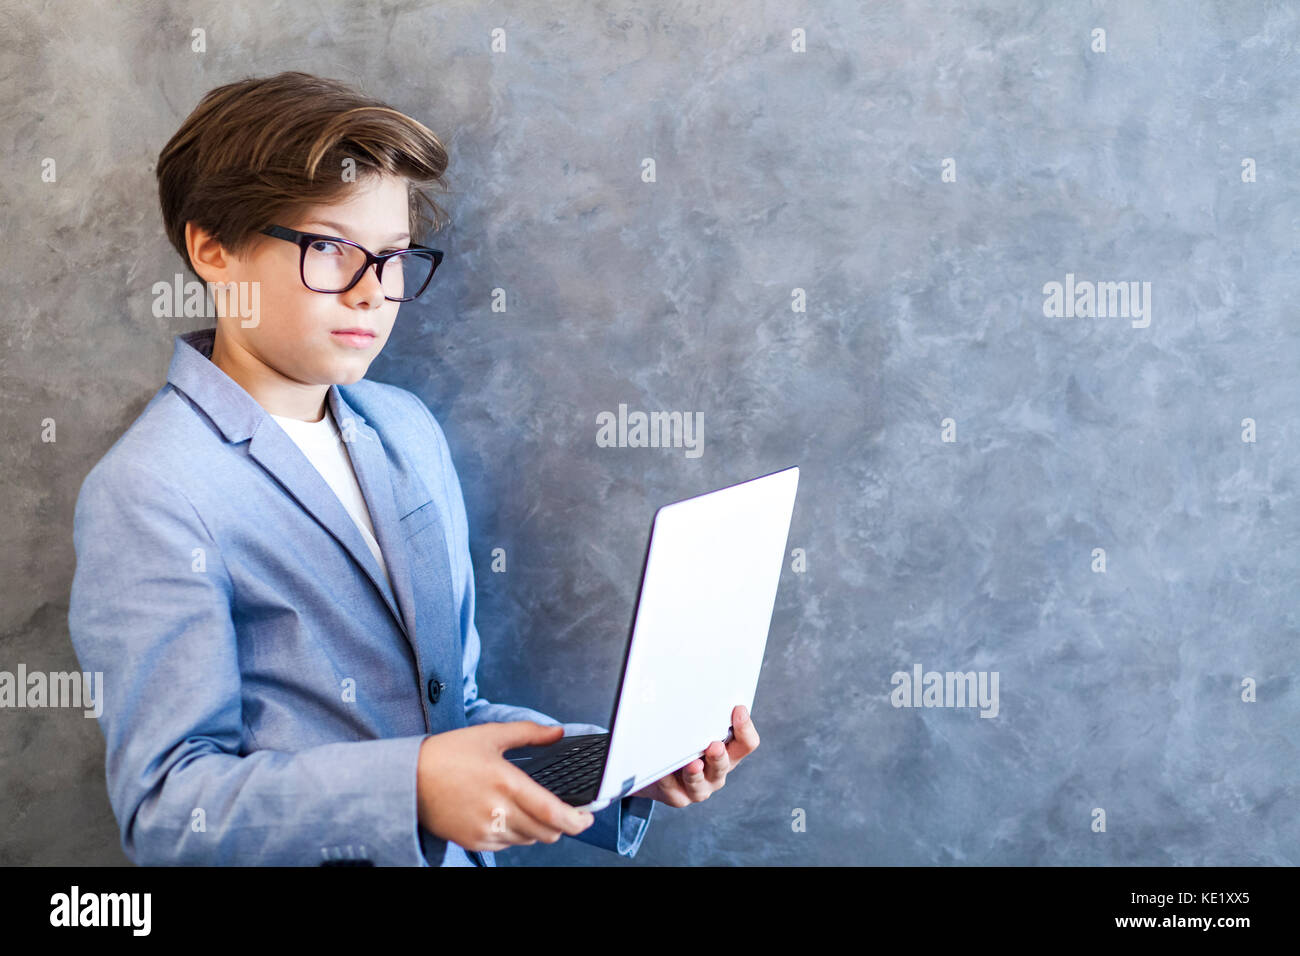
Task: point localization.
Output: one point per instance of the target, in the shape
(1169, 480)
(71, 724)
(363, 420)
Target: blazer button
(436, 687)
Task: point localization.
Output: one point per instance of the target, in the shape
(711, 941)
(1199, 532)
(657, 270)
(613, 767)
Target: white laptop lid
(701, 627)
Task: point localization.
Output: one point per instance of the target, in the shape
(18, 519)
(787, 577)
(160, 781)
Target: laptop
(699, 629)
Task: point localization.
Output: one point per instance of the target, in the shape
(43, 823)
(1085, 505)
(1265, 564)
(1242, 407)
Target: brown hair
(250, 153)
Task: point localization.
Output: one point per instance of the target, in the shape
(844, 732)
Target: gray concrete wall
(799, 272)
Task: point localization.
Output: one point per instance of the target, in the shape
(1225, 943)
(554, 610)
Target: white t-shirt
(323, 445)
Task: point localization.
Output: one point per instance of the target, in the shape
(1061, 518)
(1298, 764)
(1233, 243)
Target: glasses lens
(330, 267)
(406, 273)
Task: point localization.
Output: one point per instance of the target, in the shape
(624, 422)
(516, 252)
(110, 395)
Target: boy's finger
(521, 829)
(671, 787)
(695, 783)
(717, 762)
(513, 826)
(743, 742)
(522, 733)
(548, 810)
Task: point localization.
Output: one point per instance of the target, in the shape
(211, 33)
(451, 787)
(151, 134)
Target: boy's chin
(350, 373)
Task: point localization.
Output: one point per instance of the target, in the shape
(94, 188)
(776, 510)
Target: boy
(273, 570)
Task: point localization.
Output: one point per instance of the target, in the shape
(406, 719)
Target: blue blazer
(265, 690)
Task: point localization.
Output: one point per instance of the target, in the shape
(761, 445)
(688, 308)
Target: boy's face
(296, 331)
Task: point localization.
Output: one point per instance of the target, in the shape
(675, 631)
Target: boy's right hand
(467, 792)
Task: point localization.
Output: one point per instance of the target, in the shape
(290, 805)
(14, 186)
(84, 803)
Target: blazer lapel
(240, 418)
(276, 452)
(370, 462)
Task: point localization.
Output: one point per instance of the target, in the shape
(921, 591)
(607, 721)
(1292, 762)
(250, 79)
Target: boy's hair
(262, 150)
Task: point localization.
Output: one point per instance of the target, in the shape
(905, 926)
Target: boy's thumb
(521, 733)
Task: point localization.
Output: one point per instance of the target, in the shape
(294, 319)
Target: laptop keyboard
(576, 771)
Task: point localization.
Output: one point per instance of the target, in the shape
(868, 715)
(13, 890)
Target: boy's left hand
(695, 782)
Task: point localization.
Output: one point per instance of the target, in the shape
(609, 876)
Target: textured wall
(923, 300)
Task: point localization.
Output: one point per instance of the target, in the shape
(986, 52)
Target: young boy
(273, 570)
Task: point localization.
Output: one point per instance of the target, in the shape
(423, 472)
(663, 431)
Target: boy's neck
(269, 388)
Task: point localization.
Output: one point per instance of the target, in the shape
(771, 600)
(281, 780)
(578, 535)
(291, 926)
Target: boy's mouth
(356, 337)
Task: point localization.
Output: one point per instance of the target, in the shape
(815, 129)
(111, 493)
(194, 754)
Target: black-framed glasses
(332, 264)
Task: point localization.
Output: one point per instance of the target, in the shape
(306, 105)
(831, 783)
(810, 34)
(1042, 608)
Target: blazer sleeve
(150, 610)
(622, 825)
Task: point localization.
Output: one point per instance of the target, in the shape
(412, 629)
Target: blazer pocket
(426, 545)
(417, 520)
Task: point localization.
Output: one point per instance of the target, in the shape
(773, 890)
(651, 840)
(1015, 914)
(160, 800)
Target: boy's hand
(467, 792)
(695, 782)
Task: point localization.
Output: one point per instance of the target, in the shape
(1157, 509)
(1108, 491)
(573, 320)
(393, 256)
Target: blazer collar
(240, 418)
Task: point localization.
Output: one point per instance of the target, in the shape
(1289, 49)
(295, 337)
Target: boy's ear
(208, 258)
